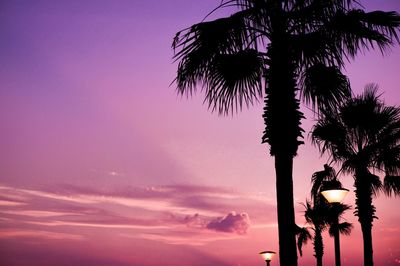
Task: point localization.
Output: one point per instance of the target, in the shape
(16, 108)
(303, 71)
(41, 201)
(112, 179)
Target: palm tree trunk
(318, 246)
(365, 212)
(286, 221)
(367, 237)
(282, 120)
(337, 241)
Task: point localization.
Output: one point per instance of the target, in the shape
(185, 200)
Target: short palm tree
(268, 45)
(363, 137)
(336, 228)
(315, 216)
(321, 215)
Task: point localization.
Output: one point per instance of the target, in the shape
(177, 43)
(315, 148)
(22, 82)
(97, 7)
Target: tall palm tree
(268, 45)
(364, 138)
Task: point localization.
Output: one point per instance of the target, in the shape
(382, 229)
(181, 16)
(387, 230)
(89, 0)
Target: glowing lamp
(267, 255)
(333, 192)
(335, 195)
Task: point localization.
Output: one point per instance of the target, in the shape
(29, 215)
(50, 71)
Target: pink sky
(102, 164)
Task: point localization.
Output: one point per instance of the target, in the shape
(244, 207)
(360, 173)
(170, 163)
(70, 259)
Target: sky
(101, 163)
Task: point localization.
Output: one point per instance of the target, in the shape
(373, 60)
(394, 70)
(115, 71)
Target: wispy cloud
(194, 240)
(33, 213)
(10, 203)
(100, 225)
(38, 234)
(168, 211)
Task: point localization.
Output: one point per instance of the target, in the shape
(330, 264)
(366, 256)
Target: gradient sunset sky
(101, 163)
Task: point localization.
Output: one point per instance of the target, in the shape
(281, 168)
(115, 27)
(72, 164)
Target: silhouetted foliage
(321, 215)
(269, 46)
(363, 137)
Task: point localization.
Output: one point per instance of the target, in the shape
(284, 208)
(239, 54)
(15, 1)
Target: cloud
(194, 221)
(38, 234)
(182, 239)
(100, 225)
(231, 223)
(10, 203)
(33, 213)
(169, 212)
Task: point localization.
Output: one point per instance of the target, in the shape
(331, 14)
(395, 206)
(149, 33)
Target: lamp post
(267, 256)
(335, 195)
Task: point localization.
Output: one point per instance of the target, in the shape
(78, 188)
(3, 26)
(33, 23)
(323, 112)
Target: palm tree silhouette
(315, 215)
(271, 45)
(364, 138)
(321, 215)
(336, 228)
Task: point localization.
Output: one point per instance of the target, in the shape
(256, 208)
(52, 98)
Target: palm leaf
(357, 30)
(330, 135)
(319, 177)
(234, 80)
(389, 159)
(392, 185)
(313, 48)
(303, 235)
(344, 229)
(375, 182)
(324, 88)
(201, 43)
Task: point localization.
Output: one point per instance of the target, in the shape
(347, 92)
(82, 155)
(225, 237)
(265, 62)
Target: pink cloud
(195, 221)
(38, 234)
(232, 223)
(189, 216)
(10, 203)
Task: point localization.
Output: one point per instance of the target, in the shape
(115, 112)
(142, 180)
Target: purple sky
(101, 163)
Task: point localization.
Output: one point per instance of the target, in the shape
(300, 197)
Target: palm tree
(335, 228)
(364, 138)
(268, 45)
(315, 216)
(321, 215)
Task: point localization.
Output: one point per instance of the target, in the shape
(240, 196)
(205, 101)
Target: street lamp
(334, 194)
(267, 256)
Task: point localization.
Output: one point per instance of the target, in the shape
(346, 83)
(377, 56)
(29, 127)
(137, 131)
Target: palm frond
(330, 135)
(392, 185)
(260, 12)
(199, 45)
(389, 158)
(376, 184)
(344, 229)
(319, 177)
(324, 88)
(337, 210)
(303, 235)
(313, 48)
(234, 80)
(358, 111)
(316, 214)
(356, 30)
(308, 213)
